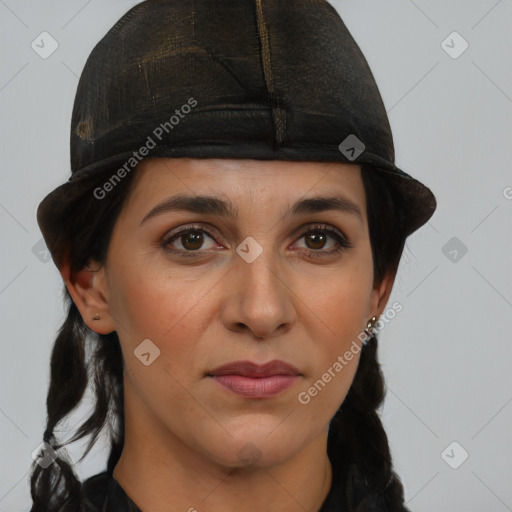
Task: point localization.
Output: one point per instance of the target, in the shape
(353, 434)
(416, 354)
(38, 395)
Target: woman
(228, 239)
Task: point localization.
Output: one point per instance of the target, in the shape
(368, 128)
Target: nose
(257, 298)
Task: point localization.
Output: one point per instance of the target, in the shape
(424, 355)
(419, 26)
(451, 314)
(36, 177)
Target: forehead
(244, 182)
(205, 172)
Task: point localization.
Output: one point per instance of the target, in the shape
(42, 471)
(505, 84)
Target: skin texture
(189, 443)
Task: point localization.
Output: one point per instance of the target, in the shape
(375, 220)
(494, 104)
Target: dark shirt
(103, 493)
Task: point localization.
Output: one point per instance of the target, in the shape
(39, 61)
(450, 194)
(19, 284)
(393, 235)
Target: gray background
(446, 355)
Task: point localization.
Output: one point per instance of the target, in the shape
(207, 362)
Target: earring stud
(96, 317)
(369, 331)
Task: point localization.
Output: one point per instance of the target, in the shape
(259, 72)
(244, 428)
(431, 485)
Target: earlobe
(88, 290)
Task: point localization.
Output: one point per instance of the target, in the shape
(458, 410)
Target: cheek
(172, 311)
(341, 301)
(158, 303)
(342, 306)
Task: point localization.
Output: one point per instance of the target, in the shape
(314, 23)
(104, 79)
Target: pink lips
(249, 379)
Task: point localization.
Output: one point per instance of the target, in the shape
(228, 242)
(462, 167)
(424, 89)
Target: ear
(380, 294)
(89, 291)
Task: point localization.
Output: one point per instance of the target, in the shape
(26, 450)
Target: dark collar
(103, 493)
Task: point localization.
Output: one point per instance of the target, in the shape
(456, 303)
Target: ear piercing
(369, 328)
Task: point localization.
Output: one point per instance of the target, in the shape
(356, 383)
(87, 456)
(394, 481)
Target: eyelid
(175, 233)
(312, 226)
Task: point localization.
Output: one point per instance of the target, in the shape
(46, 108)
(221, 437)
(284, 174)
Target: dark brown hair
(357, 443)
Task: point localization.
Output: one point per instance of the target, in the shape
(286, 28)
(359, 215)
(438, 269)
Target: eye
(316, 238)
(191, 239)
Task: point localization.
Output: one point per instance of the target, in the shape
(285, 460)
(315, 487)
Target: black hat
(257, 79)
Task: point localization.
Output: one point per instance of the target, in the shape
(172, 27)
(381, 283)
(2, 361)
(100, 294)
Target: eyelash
(343, 242)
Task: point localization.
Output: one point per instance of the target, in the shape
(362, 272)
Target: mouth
(248, 379)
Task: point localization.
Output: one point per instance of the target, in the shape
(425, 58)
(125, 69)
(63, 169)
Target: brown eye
(192, 240)
(188, 240)
(318, 237)
(317, 240)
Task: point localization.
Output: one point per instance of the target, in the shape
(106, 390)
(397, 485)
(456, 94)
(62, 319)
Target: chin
(257, 450)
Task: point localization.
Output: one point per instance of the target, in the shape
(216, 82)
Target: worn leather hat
(258, 79)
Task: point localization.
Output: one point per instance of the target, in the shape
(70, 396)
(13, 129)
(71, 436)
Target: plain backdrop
(446, 355)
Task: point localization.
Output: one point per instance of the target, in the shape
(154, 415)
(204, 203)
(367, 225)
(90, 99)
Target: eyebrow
(210, 205)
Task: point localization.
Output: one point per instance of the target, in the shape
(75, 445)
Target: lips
(250, 369)
(250, 380)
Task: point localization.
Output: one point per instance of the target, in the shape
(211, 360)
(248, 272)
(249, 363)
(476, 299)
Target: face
(257, 272)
